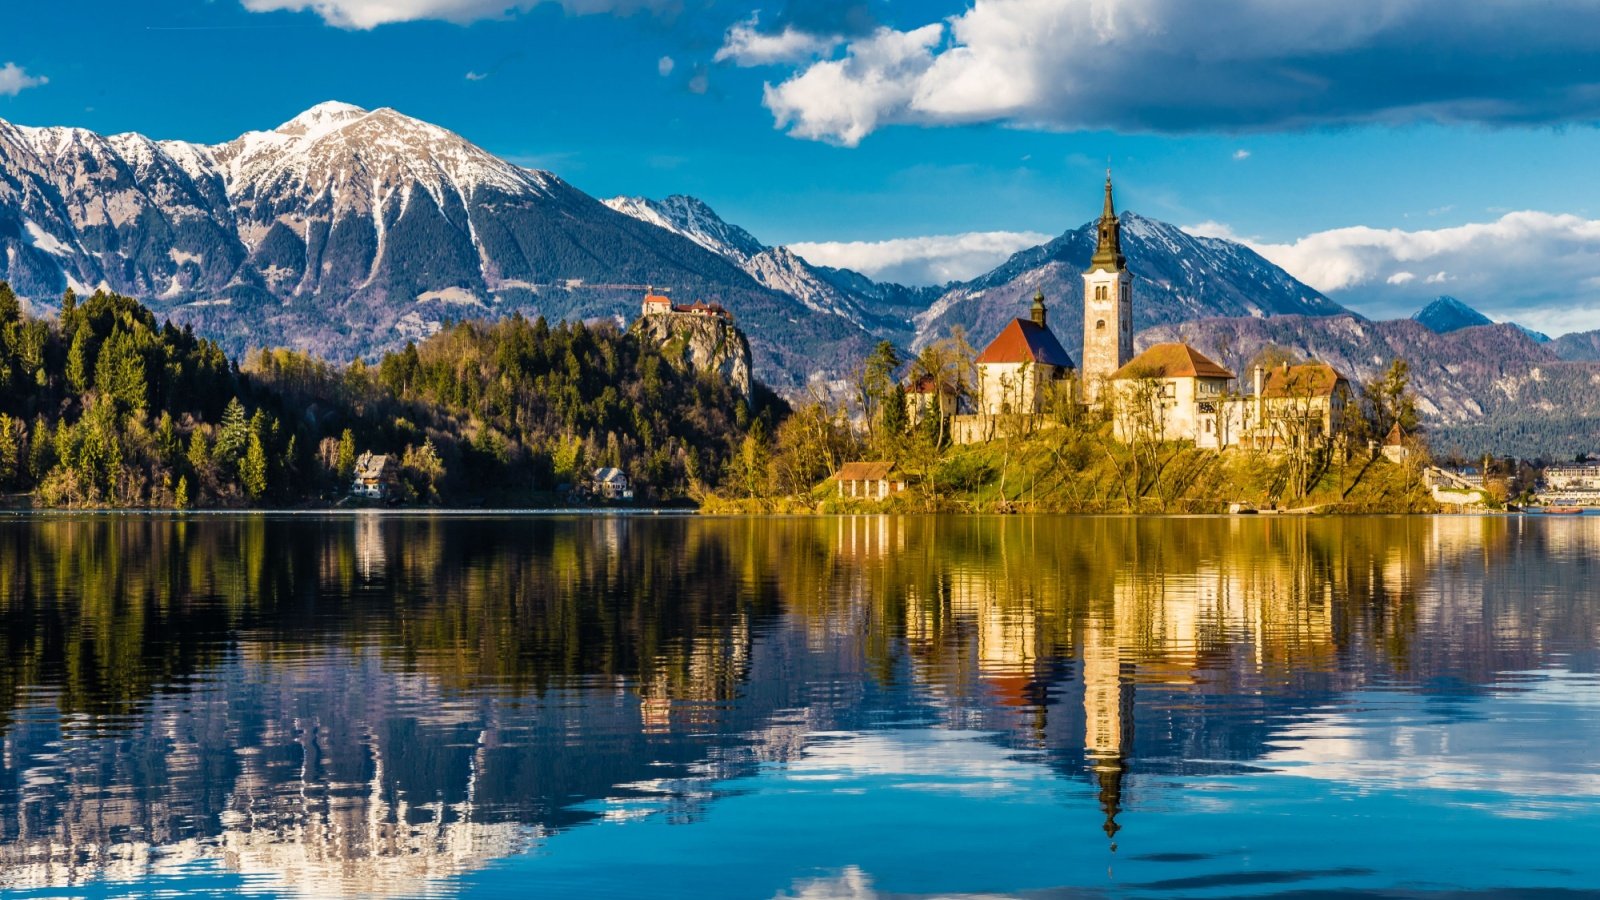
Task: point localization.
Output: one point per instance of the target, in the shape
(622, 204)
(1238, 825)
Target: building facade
(1173, 392)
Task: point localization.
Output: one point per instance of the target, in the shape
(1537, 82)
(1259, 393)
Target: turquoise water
(821, 708)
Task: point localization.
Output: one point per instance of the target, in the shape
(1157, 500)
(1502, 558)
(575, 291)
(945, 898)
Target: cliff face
(702, 343)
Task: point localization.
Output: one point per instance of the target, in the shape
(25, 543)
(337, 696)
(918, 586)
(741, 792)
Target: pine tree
(233, 435)
(253, 468)
(78, 364)
(180, 498)
(119, 371)
(41, 451)
(345, 462)
(167, 444)
(8, 447)
(10, 308)
(199, 453)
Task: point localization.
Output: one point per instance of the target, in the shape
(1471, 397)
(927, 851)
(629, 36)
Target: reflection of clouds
(948, 757)
(1397, 742)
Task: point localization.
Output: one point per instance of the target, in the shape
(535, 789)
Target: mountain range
(347, 232)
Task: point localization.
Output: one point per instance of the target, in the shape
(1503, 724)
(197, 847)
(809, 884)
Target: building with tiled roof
(1017, 367)
(869, 480)
(1174, 392)
(1297, 403)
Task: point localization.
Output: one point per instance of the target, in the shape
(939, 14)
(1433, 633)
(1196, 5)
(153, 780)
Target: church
(1169, 392)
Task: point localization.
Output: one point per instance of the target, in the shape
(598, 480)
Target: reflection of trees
(321, 694)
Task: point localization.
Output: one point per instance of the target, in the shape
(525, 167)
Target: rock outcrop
(704, 343)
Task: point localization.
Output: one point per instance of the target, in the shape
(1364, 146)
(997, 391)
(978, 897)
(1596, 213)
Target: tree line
(104, 406)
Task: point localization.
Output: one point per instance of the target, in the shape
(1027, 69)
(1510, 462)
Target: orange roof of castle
(1025, 340)
(1172, 361)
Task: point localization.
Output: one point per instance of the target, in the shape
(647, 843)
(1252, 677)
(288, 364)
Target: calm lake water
(852, 707)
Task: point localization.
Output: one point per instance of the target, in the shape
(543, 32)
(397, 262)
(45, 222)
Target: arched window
(1100, 325)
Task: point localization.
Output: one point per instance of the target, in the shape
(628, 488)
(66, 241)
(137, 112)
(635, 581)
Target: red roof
(1172, 361)
(657, 298)
(1025, 340)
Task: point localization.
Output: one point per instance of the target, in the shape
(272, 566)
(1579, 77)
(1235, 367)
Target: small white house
(611, 483)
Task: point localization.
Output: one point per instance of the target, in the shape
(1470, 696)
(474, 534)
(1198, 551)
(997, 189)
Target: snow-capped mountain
(1177, 277)
(346, 231)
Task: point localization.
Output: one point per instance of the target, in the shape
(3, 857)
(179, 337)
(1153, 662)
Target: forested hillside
(107, 407)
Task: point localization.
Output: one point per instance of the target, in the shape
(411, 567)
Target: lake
(856, 707)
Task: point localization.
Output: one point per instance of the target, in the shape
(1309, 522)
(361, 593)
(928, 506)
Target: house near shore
(376, 476)
(610, 483)
(870, 480)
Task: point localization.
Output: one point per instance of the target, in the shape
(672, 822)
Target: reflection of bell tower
(1107, 303)
(1108, 716)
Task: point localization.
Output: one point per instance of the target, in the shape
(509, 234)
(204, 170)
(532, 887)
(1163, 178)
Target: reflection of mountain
(382, 702)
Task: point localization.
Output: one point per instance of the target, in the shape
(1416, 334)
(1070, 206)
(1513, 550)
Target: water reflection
(383, 705)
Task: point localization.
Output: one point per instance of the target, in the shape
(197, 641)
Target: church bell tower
(1107, 304)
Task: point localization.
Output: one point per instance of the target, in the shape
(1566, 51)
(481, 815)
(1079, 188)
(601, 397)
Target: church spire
(1038, 312)
(1108, 248)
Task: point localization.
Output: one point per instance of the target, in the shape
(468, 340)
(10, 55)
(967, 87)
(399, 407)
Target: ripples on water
(854, 707)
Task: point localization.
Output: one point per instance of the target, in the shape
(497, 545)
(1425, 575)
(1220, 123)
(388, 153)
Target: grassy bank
(1059, 470)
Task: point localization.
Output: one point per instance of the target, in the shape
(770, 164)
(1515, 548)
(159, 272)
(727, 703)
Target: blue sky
(817, 121)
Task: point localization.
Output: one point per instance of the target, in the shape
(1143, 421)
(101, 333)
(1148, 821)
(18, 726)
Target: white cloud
(844, 100)
(665, 65)
(746, 45)
(1224, 65)
(365, 14)
(935, 259)
(1529, 267)
(477, 76)
(14, 80)
(1241, 154)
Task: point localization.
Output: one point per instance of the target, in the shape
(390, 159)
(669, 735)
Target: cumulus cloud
(1241, 155)
(746, 44)
(14, 80)
(934, 259)
(665, 65)
(365, 14)
(1529, 267)
(1226, 65)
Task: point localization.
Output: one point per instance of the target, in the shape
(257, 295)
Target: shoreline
(682, 513)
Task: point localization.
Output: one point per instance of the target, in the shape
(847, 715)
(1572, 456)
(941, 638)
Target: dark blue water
(824, 708)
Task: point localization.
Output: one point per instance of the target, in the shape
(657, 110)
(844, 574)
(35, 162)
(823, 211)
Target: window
(1100, 325)
(1169, 390)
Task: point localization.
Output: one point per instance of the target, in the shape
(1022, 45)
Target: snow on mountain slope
(347, 231)
(696, 221)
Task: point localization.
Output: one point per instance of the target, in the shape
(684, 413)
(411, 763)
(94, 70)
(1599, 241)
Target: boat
(1562, 510)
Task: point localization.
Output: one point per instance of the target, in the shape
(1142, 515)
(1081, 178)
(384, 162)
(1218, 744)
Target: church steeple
(1038, 312)
(1108, 249)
